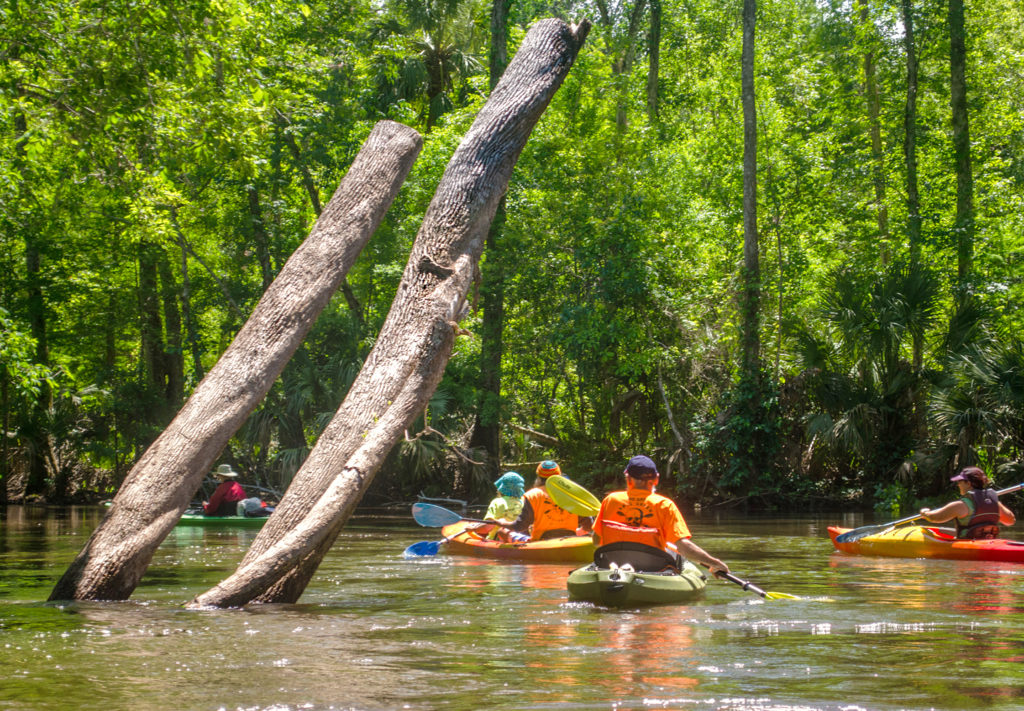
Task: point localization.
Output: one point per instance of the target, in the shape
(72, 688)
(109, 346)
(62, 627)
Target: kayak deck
(467, 538)
(192, 519)
(623, 586)
(929, 542)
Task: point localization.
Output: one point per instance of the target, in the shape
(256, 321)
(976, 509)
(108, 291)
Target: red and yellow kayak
(928, 542)
(467, 538)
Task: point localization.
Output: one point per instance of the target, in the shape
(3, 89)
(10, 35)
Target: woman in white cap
(226, 496)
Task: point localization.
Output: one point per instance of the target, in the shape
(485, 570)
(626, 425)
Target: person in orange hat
(978, 513)
(639, 515)
(542, 517)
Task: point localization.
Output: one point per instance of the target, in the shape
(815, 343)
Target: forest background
(161, 161)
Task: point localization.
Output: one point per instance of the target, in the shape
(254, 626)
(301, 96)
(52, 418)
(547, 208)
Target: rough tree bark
(414, 345)
(163, 481)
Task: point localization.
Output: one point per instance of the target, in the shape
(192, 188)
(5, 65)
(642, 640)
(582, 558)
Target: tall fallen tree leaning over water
(412, 350)
(161, 484)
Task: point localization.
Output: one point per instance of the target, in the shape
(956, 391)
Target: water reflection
(377, 631)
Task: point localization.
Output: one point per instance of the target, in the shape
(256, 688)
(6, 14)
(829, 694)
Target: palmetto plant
(858, 352)
(981, 406)
(427, 46)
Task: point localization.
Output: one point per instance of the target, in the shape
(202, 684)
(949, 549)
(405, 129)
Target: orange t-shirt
(547, 515)
(640, 508)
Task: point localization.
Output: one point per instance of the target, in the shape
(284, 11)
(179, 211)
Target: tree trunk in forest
(260, 236)
(173, 357)
(162, 483)
(653, 60)
(498, 53)
(314, 199)
(410, 354)
(5, 471)
(486, 434)
(875, 130)
(186, 309)
(150, 325)
(751, 298)
(910, 157)
(963, 227)
(35, 433)
(910, 136)
(623, 53)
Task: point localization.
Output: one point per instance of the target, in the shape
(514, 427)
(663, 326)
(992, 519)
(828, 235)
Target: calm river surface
(377, 631)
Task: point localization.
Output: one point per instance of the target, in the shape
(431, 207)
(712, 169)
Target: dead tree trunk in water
(160, 485)
(414, 345)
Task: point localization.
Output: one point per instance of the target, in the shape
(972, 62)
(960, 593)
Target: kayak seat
(643, 558)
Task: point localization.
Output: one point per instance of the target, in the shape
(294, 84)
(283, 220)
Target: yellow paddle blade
(571, 496)
(779, 596)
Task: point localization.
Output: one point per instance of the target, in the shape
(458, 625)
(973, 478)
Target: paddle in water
(576, 499)
(433, 516)
(855, 534)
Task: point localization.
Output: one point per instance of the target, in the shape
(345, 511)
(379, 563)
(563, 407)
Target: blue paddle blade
(423, 548)
(434, 516)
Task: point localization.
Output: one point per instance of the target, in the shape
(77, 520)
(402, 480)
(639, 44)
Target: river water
(377, 631)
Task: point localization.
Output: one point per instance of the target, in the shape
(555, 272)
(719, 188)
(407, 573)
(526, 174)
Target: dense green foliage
(160, 161)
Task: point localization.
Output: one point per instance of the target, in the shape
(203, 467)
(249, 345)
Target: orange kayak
(467, 538)
(928, 542)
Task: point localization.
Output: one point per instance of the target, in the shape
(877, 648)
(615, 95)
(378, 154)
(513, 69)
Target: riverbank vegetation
(161, 161)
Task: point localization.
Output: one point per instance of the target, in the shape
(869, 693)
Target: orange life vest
(613, 531)
(547, 515)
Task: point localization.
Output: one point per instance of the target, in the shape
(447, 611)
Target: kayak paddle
(855, 534)
(571, 496)
(433, 516)
(747, 585)
(428, 548)
(575, 499)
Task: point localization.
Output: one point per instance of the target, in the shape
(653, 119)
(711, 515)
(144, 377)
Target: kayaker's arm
(954, 509)
(690, 550)
(1006, 517)
(524, 520)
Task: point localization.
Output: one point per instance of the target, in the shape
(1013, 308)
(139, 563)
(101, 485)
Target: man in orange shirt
(641, 516)
(542, 516)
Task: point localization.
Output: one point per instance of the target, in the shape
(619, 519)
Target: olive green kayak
(194, 519)
(622, 586)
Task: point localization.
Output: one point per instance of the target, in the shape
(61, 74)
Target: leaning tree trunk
(414, 345)
(161, 484)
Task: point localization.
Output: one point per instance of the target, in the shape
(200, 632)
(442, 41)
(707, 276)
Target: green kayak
(626, 573)
(193, 519)
(623, 586)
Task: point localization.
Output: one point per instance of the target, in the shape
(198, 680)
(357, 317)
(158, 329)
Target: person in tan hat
(226, 496)
(978, 513)
(542, 517)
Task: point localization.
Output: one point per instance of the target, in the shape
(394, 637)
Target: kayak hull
(222, 521)
(466, 538)
(620, 587)
(928, 542)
